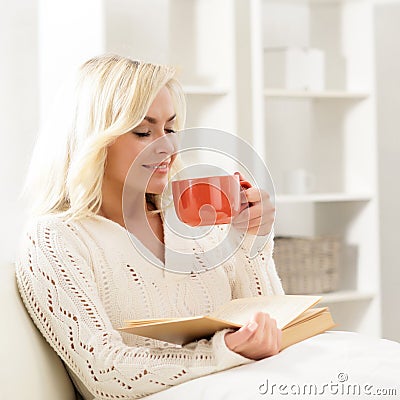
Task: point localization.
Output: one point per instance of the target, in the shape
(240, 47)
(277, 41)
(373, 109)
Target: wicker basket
(307, 265)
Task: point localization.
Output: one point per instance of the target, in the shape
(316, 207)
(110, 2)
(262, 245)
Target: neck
(124, 210)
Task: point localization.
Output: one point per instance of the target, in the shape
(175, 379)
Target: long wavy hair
(109, 96)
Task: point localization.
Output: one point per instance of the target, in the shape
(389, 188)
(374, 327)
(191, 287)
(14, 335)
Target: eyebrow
(154, 120)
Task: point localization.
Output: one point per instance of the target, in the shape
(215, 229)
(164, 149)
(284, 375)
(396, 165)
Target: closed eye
(142, 134)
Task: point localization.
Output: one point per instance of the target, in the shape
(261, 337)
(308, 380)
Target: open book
(294, 314)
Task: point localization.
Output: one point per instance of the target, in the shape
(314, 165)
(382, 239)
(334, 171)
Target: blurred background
(313, 86)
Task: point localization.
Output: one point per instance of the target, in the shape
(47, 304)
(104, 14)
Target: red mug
(210, 200)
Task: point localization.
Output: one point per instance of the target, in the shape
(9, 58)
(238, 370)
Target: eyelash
(142, 134)
(146, 134)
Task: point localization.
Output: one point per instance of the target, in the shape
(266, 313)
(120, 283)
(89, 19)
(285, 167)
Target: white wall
(41, 42)
(387, 28)
(70, 32)
(18, 112)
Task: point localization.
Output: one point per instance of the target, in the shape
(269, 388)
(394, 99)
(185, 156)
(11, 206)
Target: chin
(156, 189)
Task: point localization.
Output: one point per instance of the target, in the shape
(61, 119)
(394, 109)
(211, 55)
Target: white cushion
(330, 364)
(30, 369)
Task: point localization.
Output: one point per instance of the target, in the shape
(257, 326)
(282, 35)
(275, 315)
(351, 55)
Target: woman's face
(151, 134)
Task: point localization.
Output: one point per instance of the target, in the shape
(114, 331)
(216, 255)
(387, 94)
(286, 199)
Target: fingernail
(252, 326)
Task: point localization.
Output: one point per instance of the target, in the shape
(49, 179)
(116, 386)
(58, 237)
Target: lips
(159, 166)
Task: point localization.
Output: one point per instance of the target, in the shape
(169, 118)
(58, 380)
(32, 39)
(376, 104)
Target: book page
(283, 308)
(306, 315)
(318, 323)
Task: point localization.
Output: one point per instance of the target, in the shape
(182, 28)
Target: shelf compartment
(326, 94)
(205, 90)
(322, 198)
(312, 1)
(345, 296)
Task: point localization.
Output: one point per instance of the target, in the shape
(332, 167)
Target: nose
(165, 144)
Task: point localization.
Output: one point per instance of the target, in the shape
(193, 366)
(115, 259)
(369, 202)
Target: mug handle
(244, 184)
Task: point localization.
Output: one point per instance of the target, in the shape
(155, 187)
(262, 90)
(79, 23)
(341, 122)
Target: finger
(273, 345)
(255, 226)
(243, 197)
(254, 343)
(237, 339)
(251, 223)
(266, 337)
(241, 177)
(272, 333)
(243, 206)
(248, 213)
(253, 212)
(261, 319)
(263, 225)
(262, 230)
(254, 195)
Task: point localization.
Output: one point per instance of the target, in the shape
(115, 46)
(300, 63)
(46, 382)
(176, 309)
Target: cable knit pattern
(81, 280)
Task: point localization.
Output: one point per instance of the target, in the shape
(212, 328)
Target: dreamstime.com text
(340, 386)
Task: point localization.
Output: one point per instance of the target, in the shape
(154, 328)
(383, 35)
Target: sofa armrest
(30, 368)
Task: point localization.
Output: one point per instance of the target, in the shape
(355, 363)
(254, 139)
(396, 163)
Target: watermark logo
(191, 153)
(340, 386)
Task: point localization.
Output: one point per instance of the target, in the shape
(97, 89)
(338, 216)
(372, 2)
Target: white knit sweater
(81, 280)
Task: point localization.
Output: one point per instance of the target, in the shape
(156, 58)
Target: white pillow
(30, 369)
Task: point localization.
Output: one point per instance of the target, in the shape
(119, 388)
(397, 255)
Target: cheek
(120, 158)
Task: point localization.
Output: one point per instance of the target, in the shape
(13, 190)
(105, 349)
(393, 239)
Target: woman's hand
(258, 217)
(258, 339)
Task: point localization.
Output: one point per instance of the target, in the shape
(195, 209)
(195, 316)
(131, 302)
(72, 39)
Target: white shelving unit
(328, 94)
(201, 43)
(206, 91)
(330, 133)
(344, 296)
(197, 36)
(322, 197)
(219, 47)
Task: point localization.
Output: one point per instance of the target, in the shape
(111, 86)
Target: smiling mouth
(160, 167)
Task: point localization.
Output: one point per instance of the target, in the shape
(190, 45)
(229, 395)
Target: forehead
(162, 107)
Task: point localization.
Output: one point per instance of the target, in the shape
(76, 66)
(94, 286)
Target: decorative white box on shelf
(294, 68)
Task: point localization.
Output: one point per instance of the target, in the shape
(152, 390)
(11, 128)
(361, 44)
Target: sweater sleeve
(58, 288)
(254, 268)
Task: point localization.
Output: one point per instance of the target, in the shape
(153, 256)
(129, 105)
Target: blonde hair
(110, 97)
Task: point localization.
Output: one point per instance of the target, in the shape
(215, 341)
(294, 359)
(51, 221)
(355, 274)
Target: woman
(78, 272)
